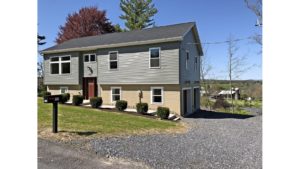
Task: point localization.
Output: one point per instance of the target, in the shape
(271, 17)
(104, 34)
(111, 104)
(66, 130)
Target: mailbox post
(54, 99)
(54, 118)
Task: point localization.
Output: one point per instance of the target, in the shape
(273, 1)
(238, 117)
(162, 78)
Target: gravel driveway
(214, 141)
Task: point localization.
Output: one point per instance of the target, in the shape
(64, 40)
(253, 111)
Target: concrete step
(176, 119)
(171, 116)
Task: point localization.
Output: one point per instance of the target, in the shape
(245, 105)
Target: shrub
(77, 100)
(163, 112)
(96, 102)
(64, 98)
(205, 102)
(244, 96)
(121, 105)
(45, 93)
(221, 103)
(142, 108)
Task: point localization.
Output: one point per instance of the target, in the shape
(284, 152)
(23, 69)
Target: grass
(84, 121)
(238, 105)
(236, 111)
(243, 103)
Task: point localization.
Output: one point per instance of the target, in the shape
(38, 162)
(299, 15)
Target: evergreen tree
(118, 28)
(137, 13)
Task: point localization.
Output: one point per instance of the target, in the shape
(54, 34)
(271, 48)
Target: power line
(221, 42)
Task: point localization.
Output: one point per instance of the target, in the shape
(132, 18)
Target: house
(162, 62)
(226, 93)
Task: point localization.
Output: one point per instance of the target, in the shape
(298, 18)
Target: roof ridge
(137, 30)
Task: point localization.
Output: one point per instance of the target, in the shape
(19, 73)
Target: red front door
(89, 87)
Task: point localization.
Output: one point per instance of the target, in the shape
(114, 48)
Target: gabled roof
(159, 34)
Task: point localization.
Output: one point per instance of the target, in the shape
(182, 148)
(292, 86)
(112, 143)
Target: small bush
(142, 108)
(96, 102)
(121, 105)
(244, 96)
(77, 100)
(163, 112)
(64, 98)
(221, 103)
(45, 93)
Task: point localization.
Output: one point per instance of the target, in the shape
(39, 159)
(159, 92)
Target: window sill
(156, 103)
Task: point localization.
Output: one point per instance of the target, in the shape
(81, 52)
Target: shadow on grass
(217, 115)
(80, 133)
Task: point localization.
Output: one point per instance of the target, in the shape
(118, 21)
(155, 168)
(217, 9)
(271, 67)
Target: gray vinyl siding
(189, 75)
(93, 65)
(87, 72)
(133, 65)
(62, 79)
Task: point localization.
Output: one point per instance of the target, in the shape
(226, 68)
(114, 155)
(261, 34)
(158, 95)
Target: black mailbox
(52, 99)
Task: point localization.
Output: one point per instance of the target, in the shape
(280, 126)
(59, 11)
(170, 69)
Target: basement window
(156, 95)
(115, 94)
(63, 90)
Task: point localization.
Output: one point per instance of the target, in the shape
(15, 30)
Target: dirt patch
(69, 136)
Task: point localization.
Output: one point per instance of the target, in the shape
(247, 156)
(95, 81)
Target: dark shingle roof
(156, 33)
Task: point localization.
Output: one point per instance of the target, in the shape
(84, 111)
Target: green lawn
(73, 119)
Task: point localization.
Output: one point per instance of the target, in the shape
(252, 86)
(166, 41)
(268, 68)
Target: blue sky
(215, 19)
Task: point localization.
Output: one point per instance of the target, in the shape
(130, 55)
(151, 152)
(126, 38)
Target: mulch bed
(116, 110)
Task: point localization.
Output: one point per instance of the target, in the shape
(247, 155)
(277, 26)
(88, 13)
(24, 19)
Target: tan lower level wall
(72, 89)
(171, 97)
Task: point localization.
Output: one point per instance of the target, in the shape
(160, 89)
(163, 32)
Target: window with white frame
(60, 65)
(113, 60)
(157, 95)
(64, 90)
(115, 94)
(187, 57)
(89, 57)
(196, 64)
(154, 57)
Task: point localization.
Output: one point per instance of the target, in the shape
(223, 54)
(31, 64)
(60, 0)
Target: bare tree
(236, 65)
(40, 68)
(205, 69)
(256, 7)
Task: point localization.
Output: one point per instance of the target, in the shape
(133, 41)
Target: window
(54, 68)
(113, 60)
(115, 94)
(54, 59)
(93, 58)
(187, 60)
(54, 65)
(154, 57)
(196, 64)
(63, 90)
(60, 65)
(65, 58)
(86, 58)
(89, 58)
(156, 95)
(65, 68)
